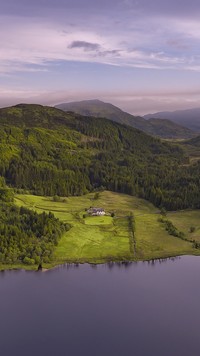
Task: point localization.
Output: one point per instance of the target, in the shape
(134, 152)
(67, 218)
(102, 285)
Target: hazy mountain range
(189, 118)
(155, 126)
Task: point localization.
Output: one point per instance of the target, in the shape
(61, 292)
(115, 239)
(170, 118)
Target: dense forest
(26, 236)
(47, 152)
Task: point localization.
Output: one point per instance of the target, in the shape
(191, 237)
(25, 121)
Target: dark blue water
(142, 309)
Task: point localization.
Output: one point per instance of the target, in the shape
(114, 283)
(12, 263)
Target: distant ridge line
(155, 127)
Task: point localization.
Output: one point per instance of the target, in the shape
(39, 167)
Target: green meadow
(99, 239)
(187, 221)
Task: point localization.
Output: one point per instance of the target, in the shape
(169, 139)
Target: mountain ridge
(100, 109)
(189, 118)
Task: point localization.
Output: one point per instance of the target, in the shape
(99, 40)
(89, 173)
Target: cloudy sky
(141, 55)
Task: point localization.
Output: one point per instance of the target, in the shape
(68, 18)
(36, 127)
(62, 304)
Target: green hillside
(155, 127)
(194, 141)
(192, 147)
(168, 129)
(49, 152)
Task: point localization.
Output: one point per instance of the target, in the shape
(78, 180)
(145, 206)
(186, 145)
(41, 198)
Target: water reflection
(123, 264)
(85, 310)
(156, 261)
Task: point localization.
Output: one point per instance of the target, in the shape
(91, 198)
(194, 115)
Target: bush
(6, 195)
(28, 261)
(96, 196)
(192, 229)
(163, 211)
(56, 198)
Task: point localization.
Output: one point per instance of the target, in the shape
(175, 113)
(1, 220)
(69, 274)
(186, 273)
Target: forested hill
(47, 152)
(33, 115)
(189, 118)
(194, 141)
(155, 127)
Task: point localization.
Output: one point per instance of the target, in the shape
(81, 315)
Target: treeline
(132, 239)
(172, 230)
(55, 153)
(27, 237)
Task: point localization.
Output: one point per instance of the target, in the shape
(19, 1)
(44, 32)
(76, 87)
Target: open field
(185, 220)
(153, 241)
(101, 239)
(91, 239)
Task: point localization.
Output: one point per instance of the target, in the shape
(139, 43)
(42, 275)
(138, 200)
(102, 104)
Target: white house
(96, 211)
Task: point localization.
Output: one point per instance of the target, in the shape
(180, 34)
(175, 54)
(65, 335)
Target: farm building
(96, 211)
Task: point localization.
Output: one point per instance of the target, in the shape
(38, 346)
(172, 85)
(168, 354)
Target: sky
(140, 55)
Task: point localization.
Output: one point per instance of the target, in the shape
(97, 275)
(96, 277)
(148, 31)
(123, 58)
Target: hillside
(194, 141)
(157, 127)
(192, 147)
(189, 118)
(46, 151)
(167, 129)
(34, 115)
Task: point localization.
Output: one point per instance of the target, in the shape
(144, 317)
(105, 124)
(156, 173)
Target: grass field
(101, 239)
(186, 219)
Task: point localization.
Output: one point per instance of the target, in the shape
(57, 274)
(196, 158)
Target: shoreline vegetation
(95, 263)
(132, 230)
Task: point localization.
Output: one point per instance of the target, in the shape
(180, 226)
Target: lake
(139, 309)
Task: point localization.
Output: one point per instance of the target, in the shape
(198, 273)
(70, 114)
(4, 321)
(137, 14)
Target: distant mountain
(155, 127)
(97, 108)
(167, 129)
(189, 118)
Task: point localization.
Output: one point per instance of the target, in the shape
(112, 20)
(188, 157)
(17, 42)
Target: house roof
(95, 210)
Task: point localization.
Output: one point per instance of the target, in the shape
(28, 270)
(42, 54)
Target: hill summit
(100, 109)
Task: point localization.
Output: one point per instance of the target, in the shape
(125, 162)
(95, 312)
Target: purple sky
(142, 56)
